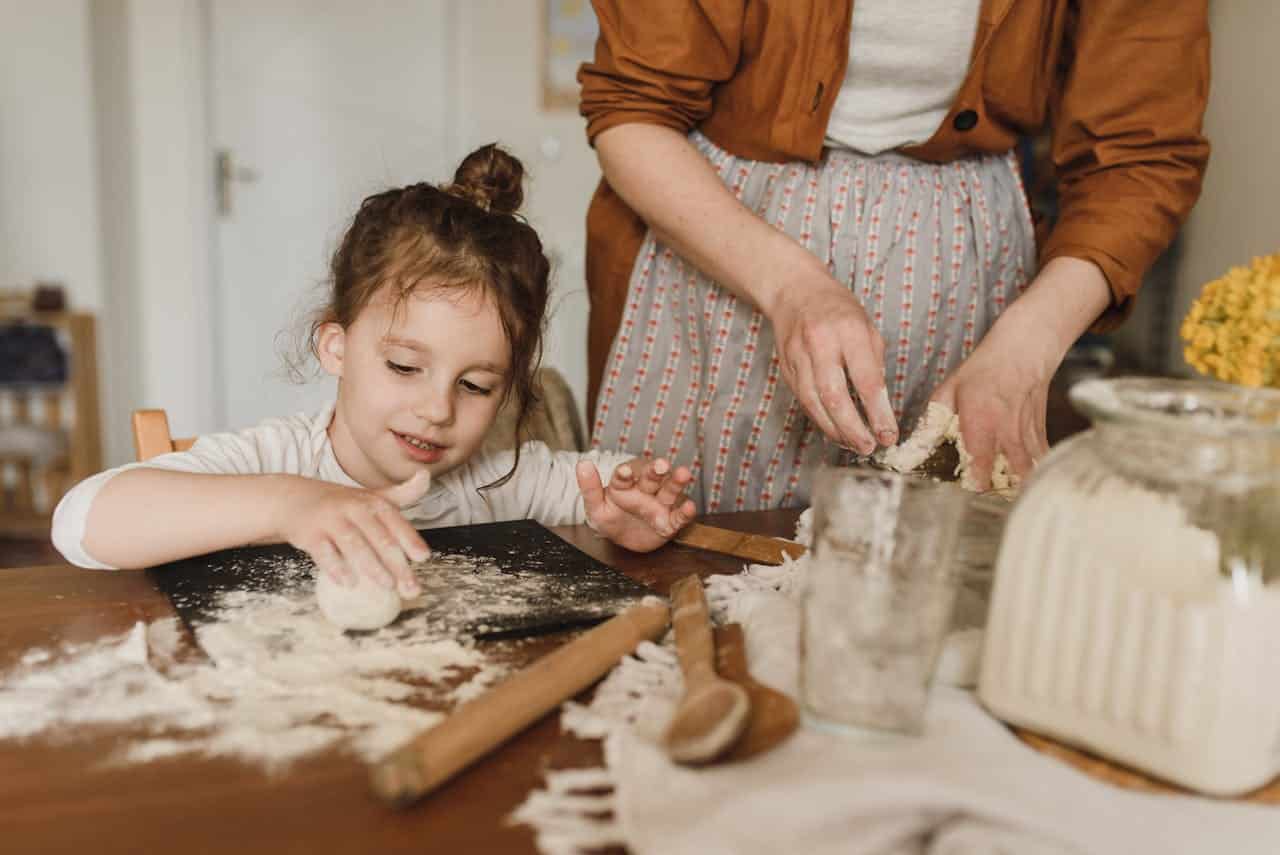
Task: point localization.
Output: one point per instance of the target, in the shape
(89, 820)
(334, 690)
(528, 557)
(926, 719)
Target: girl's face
(418, 385)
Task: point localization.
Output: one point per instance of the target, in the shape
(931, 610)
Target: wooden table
(57, 798)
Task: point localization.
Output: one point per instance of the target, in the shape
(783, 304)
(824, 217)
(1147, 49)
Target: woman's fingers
(1031, 442)
(824, 362)
(980, 442)
(805, 388)
(1039, 415)
(833, 394)
(865, 367)
(945, 395)
(1012, 443)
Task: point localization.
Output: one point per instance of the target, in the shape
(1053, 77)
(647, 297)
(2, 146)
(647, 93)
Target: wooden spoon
(774, 715)
(713, 712)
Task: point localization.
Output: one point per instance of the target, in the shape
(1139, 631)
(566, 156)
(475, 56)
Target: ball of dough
(365, 605)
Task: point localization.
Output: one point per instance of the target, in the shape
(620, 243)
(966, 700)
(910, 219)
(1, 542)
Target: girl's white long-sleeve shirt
(544, 487)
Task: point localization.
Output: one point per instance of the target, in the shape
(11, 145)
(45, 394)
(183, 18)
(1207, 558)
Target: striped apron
(934, 252)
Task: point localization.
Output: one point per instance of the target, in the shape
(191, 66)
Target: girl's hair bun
(491, 178)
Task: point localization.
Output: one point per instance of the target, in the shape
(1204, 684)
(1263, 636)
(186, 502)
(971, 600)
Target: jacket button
(965, 120)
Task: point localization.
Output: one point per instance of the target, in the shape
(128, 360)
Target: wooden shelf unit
(71, 408)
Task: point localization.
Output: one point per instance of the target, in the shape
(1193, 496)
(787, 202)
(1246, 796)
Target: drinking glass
(878, 595)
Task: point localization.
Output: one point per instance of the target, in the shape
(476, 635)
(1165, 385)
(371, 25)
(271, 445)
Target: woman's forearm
(1064, 300)
(665, 180)
(146, 516)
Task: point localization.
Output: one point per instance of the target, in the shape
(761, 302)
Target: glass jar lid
(1182, 407)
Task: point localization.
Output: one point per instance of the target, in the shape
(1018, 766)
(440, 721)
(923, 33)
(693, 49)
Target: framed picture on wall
(569, 32)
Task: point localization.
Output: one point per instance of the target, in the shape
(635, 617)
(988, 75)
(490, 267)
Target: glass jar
(878, 594)
(1136, 605)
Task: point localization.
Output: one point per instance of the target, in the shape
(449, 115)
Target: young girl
(434, 319)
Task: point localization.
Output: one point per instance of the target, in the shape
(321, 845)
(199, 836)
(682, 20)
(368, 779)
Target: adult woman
(774, 187)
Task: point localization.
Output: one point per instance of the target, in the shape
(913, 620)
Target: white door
(315, 104)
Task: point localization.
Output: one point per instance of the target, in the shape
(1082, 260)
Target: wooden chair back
(151, 436)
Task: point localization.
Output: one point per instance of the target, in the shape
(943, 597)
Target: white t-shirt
(544, 487)
(907, 61)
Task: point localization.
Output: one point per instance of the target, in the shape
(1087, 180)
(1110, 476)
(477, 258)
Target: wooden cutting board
(1123, 776)
(494, 580)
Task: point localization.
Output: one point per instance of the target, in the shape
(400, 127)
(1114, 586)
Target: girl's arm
(825, 338)
(146, 516)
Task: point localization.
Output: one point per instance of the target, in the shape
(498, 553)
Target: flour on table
(279, 682)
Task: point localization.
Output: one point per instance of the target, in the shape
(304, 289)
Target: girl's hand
(643, 506)
(348, 530)
(826, 342)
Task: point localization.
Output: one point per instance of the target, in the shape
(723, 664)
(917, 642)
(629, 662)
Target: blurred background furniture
(50, 434)
(555, 419)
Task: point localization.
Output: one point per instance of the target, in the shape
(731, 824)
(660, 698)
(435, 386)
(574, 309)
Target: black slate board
(493, 580)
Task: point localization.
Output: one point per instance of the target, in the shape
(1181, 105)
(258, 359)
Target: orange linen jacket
(1121, 83)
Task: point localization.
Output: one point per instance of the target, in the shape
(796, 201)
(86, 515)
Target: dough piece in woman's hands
(1003, 479)
(365, 605)
(940, 424)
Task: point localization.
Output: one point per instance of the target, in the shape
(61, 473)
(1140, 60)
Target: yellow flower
(1232, 330)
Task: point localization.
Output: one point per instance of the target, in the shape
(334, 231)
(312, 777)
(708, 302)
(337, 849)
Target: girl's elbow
(67, 532)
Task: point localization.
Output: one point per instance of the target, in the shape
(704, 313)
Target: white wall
(1238, 215)
(500, 99)
(148, 109)
(172, 184)
(49, 226)
(120, 353)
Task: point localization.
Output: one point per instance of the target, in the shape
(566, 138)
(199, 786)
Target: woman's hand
(348, 530)
(824, 337)
(826, 342)
(1001, 391)
(644, 505)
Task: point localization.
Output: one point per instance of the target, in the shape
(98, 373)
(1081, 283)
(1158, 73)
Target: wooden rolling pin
(480, 725)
